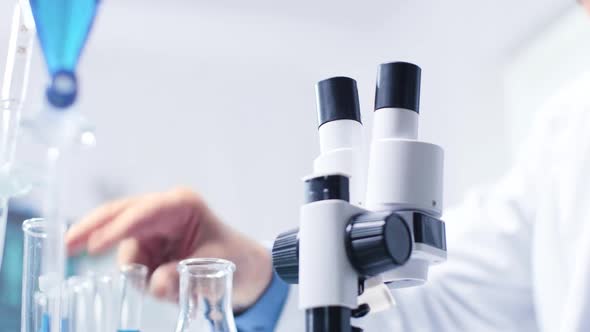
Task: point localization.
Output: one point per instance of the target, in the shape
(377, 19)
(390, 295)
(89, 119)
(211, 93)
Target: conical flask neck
(205, 296)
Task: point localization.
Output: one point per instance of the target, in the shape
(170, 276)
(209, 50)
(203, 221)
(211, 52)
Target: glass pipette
(12, 95)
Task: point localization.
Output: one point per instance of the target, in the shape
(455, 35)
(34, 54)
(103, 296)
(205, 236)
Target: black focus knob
(378, 242)
(285, 256)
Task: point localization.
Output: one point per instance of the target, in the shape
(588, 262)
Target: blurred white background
(219, 95)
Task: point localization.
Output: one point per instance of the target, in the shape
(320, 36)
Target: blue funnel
(63, 27)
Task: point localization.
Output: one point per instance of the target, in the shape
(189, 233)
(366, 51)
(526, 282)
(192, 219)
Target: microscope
(348, 252)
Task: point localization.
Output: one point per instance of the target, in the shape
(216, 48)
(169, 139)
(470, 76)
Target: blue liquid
(63, 27)
(46, 324)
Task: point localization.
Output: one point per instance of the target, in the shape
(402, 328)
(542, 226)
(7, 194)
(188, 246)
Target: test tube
(133, 279)
(89, 302)
(41, 311)
(103, 304)
(34, 308)
(65, 305)
(80, 295)
(42, 299)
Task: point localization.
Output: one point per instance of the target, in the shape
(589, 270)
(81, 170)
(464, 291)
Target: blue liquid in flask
(63, 27)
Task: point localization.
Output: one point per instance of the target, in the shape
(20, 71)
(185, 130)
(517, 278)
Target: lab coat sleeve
(292, 319)
(264, 314)
(486, 284)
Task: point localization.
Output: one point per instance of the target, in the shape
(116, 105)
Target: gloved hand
(161, 229)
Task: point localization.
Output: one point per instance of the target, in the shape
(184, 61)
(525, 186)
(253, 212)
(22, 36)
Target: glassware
(34, 310)
(83, 303)
(12, 95)
(79, 301)
(63, 27)
(205, 295)
(103, 304)
(88, 304)
(133, 279)
(41, 297)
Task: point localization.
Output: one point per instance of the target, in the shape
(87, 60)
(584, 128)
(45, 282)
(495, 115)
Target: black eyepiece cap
(337, 99)
(398, 86)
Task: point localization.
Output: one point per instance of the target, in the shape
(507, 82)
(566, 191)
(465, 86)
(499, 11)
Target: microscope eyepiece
(337, 99)
(398, 86)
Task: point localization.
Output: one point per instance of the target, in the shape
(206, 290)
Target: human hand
(160, 229)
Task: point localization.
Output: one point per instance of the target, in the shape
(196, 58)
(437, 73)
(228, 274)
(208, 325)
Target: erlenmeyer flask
(205, 296)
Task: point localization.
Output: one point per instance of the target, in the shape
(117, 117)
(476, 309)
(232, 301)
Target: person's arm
(160, 229)
(180, 221)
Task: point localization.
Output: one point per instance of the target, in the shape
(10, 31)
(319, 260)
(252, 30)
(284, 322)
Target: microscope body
(349, 251)
(406, 175)
(327, 279)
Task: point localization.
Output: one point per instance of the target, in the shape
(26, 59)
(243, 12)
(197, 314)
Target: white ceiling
(488, 26)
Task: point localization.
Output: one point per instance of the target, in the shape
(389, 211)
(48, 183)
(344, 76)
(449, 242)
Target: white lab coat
(518, 251)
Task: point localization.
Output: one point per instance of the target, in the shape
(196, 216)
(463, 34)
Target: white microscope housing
(406, 175)
(346, 251)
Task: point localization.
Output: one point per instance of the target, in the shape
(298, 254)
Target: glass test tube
(133, 280)
(41, 298)
(103, 304)
(88, 303)
(79, 294)
(34, 310)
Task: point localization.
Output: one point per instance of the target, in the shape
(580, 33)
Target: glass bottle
(205, 296)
